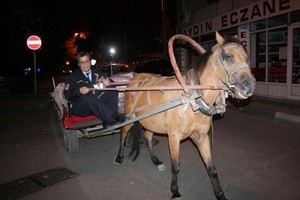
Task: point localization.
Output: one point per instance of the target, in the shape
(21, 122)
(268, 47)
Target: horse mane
(200, 62)
(233, 39)
(196, 68)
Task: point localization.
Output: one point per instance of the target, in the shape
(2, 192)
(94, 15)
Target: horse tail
(135, 135)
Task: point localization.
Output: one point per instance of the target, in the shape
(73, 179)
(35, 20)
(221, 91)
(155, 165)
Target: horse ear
(219, 38)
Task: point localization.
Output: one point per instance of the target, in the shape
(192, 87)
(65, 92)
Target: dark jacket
(77, 80)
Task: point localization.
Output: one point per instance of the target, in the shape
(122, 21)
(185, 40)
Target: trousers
(105, 107)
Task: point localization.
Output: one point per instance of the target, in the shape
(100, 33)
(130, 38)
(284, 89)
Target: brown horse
(225, 64)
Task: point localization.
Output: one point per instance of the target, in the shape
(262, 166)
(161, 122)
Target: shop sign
(244, 37)
(253, 12)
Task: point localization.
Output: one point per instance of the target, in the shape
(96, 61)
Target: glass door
(294, 61)
(277, 51)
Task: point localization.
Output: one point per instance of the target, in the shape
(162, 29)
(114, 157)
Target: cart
(74, 127)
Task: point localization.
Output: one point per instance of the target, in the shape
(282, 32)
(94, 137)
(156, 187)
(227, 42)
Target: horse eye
(225, 56)
(228, 56)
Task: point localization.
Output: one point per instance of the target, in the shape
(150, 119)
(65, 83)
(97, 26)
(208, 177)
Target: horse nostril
(245, 81)
(244, 85)
(248, 83)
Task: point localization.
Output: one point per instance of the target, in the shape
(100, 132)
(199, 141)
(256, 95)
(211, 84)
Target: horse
(225, 64)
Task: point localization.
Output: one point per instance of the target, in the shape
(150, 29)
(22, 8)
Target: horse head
(232, 67)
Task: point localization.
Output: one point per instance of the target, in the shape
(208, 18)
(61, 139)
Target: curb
(280, 116)
(269, 114)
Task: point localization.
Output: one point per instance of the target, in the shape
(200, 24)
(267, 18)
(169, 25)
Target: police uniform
(103, 104)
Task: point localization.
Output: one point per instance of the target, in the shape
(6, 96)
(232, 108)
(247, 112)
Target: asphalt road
(256, 158)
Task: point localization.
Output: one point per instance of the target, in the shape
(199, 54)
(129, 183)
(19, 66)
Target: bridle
(220, 107)
(228, 73)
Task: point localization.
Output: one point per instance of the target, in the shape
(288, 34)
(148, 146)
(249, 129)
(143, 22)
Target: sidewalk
(275, 109)
(31, 143)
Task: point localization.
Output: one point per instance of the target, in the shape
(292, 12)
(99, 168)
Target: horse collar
(218, 108)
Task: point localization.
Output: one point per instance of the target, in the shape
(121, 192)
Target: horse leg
(203, 144)
(124, 131)
(174, 145)
(153, 156)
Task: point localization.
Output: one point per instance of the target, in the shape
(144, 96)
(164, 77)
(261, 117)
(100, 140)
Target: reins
(197, 103)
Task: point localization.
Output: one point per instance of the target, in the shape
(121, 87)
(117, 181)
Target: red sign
(34, 42)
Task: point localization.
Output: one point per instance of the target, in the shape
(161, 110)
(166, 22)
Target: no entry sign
(34, 42)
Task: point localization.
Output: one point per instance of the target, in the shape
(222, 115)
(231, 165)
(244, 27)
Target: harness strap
(199, 104)
(148, 92)
(238, 67)
(148, 114)
(150, 105)
(148, 98)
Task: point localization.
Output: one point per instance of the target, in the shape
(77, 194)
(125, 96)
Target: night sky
(115, 23)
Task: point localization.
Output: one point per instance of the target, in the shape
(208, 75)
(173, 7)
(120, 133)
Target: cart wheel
(71, 140)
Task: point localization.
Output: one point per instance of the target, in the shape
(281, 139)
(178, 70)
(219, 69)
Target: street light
(112, 52)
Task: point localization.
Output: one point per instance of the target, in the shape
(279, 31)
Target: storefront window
(208, 41)
(278, 20)
(258, 25)
(230, 31)
(296, 56)
(277, 55)
(268, 53)
(295, 16)
(258, 55)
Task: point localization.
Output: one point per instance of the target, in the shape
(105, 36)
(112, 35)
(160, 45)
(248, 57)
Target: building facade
(269, 29)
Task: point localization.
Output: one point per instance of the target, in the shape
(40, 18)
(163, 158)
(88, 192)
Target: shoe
(118, 119)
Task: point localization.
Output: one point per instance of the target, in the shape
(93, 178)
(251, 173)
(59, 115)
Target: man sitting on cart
(85, 102)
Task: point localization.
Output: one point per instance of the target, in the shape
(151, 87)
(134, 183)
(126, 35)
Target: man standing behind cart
(84, 102)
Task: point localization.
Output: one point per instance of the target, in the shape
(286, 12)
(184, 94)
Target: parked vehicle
(115, 68)
(157, 66)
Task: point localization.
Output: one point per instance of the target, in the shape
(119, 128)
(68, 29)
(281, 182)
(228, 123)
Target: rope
(163, 88)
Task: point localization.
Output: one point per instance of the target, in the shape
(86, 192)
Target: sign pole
(34, 69)
(34, 43)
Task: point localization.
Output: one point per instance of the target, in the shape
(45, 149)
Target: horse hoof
(116, 163)
(176, 198)
(161, 167)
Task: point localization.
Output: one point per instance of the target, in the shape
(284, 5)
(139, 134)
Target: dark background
(133, 27)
